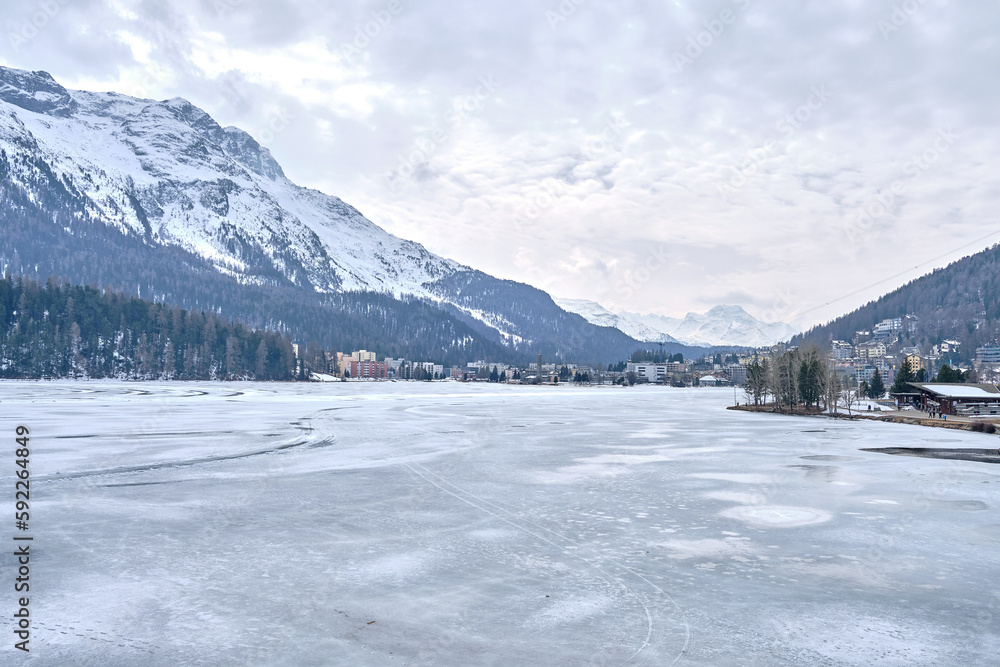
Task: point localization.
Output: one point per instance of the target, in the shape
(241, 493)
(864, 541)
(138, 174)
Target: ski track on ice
(464, 496)
(303, 441)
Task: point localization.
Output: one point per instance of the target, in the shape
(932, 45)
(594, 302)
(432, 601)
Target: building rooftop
(958, 390)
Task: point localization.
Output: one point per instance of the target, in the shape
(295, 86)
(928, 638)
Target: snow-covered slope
(722, 325)
(174, 190)
(167, 171)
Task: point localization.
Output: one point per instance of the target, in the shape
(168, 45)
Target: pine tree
(810, 379)
(949, 374)
(876, 389)
(903, 376)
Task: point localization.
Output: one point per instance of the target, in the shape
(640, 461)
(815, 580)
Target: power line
(896, 275)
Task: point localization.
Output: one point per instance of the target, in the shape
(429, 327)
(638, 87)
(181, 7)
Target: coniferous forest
(50, 330)
(961, 301)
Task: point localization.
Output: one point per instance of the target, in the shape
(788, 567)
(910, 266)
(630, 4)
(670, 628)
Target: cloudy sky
(797, 158)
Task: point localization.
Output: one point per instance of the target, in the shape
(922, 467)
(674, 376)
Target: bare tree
(852, 394)
(757, 381)
(832, 388)
(783, 385)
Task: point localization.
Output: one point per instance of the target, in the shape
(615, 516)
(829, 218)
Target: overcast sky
(797, 159)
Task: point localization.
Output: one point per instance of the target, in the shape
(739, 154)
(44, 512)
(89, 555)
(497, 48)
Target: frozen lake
(459, 524)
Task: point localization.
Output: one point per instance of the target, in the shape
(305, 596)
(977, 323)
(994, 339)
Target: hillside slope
(960, 301)
(189, 212)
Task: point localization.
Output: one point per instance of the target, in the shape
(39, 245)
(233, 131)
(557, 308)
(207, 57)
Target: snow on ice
(405, 523)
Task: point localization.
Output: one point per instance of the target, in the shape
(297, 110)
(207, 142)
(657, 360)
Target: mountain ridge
(721, 326)
(178, 187)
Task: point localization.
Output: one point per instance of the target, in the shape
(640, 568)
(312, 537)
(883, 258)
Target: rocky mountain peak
(35, 91)
(244, 149)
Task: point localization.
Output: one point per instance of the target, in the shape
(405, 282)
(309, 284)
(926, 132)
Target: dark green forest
(960, 301)
(49, 331)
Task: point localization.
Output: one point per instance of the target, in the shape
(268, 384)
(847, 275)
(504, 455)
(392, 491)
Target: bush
(983, 427)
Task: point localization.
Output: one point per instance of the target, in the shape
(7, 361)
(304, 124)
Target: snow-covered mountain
(597, 314)
(169, 172)
(184, 193)
(722, 325)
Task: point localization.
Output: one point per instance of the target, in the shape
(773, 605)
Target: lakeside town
(875, 365)
(866, 358)
(721, 369)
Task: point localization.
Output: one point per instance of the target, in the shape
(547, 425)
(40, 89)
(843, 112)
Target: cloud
(616, 128)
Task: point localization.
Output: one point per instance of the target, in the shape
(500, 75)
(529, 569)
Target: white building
(737, 374)
(945, 347)
(436, 370)
(649, 372)
(840, 350)
(889, 326)
(871, 350)
(988, 354)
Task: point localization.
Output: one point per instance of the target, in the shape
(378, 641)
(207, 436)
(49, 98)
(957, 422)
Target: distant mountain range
(156, 198)
(720, 326)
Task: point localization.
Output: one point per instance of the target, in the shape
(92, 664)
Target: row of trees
(643, 356)
(564, 375)
(51, 330)
(801, 377)
(806, 377)
(797, 377)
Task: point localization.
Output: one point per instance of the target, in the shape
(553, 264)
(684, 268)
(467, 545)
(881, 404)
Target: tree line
(796, 377)
(643, 356)
(806, 378)
(56, 331)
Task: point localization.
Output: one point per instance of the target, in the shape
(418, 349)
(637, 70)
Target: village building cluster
(881, 351)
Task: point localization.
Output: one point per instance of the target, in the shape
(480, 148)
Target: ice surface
(459, 524)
